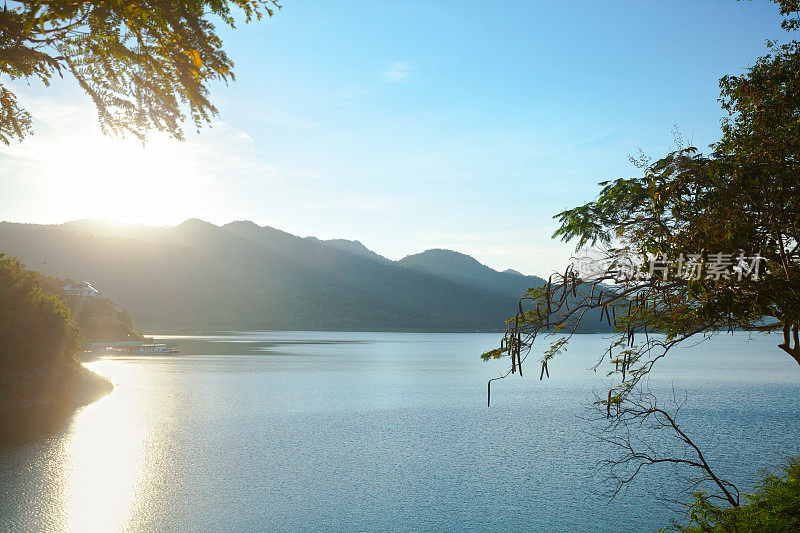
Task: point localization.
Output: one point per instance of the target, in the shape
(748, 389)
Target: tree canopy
(143, 63)
(699, 244)
(34, 325)
(774, 506)
(39, 339)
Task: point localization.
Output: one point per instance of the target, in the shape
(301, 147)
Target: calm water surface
(277, 431)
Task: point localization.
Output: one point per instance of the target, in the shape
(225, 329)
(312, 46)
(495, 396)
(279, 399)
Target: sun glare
(104, 458)
(122, 180)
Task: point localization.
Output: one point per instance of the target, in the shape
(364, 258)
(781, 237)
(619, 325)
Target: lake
(297, 431)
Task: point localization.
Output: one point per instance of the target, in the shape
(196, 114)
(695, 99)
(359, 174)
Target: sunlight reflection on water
(370, 431)
(103, 459)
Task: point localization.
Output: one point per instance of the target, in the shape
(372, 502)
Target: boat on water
(135, 348)
(158, 349)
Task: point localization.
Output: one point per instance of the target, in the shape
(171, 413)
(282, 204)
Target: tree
(142, 62)
(658, 440)
(35, 326)
(774, 506)
(38, 344)
(697, 245)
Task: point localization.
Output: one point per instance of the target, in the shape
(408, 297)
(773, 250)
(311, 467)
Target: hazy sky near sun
(406, 125)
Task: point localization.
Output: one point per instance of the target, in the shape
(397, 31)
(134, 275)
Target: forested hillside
(98, 320)
(198, 276)
(38, 365)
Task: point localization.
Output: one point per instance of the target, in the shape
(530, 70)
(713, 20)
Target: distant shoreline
(168, 332)
(195, 331)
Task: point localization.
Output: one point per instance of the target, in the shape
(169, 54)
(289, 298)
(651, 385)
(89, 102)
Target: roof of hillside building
(81, 286)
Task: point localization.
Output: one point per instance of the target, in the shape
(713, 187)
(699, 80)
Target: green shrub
(773, 507)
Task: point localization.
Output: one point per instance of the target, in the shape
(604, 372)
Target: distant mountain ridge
(466, 269)
(197, 276)
(355, 247)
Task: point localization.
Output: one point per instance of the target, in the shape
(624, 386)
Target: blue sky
(407, 125)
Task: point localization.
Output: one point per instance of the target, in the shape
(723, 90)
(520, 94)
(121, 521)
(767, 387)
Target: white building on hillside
(81, 290)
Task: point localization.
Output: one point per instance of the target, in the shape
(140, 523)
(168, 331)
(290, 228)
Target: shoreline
(32, 419)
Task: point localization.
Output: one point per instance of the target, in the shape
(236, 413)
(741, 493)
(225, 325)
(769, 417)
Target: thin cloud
(397, 72)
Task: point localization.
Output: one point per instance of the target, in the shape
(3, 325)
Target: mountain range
(198, 276)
